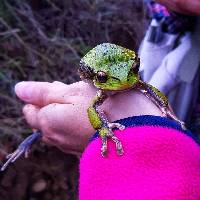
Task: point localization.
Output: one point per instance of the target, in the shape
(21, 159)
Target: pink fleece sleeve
(159, 163)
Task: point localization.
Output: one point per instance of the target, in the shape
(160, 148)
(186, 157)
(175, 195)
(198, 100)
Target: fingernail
(23, 90)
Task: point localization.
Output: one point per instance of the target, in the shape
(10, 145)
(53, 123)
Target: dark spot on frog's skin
(115, 78)
(109, 58)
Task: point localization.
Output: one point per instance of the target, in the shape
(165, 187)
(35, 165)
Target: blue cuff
(150, 120)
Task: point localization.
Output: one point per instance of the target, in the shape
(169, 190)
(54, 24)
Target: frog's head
(110, 67)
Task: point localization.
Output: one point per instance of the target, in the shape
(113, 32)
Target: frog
(111, 69)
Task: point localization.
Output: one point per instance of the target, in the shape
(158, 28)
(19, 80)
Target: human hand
(184, 6)
(60, 111)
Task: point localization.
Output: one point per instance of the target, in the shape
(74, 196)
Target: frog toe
(116, 125)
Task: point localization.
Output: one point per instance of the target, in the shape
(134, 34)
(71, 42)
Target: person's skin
(191, 7)
(60, 111)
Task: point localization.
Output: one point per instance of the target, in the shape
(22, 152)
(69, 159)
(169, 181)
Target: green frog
(111, 69)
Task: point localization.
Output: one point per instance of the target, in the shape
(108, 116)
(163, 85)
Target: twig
(53, 5)
(13, 12)
(9, 99)
(55, 40)
(23, 43)
(5, 33)
(27, 12)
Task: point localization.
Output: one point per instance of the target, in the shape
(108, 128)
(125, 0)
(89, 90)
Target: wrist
(129, 103)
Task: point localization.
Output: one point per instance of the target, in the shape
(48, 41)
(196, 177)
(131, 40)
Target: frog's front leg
(160, 100)
(100, 123)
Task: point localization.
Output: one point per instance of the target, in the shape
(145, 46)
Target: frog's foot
(104, 146)
(164, 112)
(116, 125)
(183, 125)
(23, 148)
(118, 144)
(106, 133)
(168, 112)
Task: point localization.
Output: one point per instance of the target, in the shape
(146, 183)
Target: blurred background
(43, 40)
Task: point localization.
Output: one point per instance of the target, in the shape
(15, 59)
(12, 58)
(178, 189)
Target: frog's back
(106, 54)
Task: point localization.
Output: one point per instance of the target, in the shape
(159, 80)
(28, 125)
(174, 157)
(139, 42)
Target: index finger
(44, 93)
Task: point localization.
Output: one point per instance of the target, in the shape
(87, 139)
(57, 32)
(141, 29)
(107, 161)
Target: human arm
(59, 111)
(191, 7)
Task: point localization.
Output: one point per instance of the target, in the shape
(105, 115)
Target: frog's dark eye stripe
(101, 77)
(85, 71)
(136, 66)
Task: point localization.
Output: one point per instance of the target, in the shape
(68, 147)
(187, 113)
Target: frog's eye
(101, 77)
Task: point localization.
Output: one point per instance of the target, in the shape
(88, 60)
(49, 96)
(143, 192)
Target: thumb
(42, 93)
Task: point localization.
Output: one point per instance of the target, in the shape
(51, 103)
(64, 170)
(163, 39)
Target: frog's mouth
(86, 72)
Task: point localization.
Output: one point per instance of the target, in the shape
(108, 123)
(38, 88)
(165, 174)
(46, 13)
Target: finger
(31, 115)
(36, 92)
(41, 122)
(44, 93)
(59, 128)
